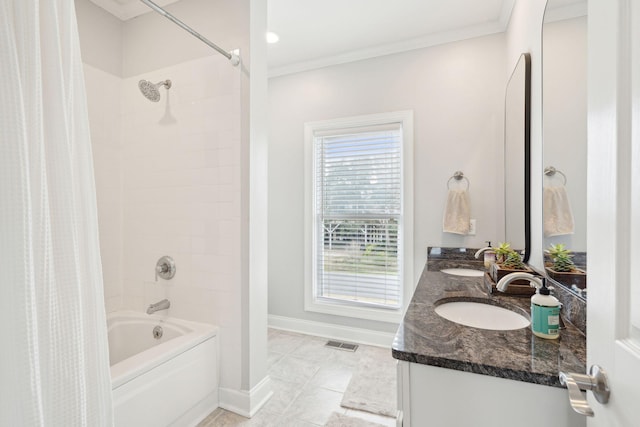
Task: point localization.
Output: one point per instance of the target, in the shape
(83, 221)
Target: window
(359, 215)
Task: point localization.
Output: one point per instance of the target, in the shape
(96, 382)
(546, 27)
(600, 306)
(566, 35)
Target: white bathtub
(171, 381)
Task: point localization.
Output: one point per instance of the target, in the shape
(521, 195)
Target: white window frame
(405, 118)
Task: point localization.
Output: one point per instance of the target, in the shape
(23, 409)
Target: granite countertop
(426, 338)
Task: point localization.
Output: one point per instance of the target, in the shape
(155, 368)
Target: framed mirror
(517, 131)
(564, 117)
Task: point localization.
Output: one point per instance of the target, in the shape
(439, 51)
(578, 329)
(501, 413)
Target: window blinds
(358, 188)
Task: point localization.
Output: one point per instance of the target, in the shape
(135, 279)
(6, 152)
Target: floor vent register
(342, 345)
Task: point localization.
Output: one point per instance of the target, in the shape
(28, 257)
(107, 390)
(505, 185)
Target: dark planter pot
(498, 272)
(578, 278)
(514, 290)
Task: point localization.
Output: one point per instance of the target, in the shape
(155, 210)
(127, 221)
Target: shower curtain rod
(235, 60)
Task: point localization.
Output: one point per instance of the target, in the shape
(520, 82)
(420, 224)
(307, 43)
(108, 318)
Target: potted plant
(513, 261)
(502, 251)
(561, 268)
(508, 261)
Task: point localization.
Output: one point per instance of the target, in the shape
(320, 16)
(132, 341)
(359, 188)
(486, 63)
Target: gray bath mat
(339, 420)
(373, 388)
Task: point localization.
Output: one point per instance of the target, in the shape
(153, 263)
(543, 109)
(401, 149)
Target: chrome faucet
(581, 292)
(487, 261)
(160, 305)
(534, 281)
(477, 255)
(503, 283)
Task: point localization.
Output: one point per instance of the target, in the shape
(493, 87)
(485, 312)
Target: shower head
(150, 90)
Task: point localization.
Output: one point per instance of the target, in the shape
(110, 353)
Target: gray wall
(100, 37)
(456, 92)
(565, 118)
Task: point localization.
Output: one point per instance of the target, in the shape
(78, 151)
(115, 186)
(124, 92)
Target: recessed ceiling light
(272, 37)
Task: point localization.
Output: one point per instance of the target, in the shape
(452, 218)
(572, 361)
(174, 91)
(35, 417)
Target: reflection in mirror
(564, 113)
(516, 156)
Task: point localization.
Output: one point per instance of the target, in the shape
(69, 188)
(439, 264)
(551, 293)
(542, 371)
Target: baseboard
(328, 330)
(246, 403)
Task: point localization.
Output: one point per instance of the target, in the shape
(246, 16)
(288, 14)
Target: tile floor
(308, 382)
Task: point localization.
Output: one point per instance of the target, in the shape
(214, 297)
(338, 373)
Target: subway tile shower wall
(168, 183)
(103, 97)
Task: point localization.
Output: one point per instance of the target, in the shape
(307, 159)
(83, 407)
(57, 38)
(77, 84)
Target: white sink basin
(467, 272)
(481, 315)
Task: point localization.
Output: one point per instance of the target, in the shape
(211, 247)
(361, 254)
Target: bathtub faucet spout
(160, 305)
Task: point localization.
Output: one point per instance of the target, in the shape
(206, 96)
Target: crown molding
(393, 48)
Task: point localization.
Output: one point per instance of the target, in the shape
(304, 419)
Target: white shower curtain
(54, 368)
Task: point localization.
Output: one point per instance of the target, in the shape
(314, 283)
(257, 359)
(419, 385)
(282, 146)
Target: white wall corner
(328, 330)
(505, 13)
(246, 403)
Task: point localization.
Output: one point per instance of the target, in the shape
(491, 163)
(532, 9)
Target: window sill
(355, 311)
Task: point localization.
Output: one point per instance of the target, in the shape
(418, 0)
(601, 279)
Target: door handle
(596, 381)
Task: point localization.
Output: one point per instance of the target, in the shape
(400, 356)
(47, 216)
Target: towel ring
(458, 175)
(551, 171)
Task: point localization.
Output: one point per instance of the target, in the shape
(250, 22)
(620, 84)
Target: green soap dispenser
(545, 313)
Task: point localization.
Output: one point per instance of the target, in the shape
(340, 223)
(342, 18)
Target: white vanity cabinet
(440, 397)
(452, 375)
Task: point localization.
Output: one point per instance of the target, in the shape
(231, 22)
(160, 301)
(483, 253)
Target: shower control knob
(165, 268)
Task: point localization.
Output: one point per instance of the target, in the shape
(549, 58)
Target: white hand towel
(457, 212)
(558, 217)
